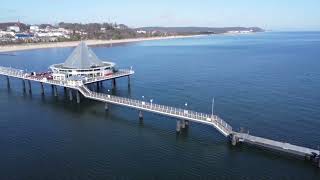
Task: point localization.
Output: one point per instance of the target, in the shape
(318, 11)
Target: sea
(267, 84)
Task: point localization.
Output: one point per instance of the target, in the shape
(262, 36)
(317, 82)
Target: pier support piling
(29, 83)
(178, 128)
(186, 123)
(98, 85)
(106, 107)
(70, 94)
(114, 83)
(55, 91)
(65, 90)
(78, 97)
(183, 124)
(42, 89)
(52, 88)
(8, 82)
(23, 85)
(129, 81)
(234, 140)
(140, 115)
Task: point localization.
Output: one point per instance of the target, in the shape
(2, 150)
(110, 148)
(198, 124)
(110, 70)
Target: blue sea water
(267, 83)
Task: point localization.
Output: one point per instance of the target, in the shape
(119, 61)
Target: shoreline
(21, 47)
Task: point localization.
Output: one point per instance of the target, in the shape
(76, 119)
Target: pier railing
(214, 120)
(119, 73)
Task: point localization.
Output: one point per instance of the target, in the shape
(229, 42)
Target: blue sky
(268, 14)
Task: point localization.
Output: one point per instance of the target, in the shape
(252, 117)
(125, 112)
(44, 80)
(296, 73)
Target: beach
(20, 47)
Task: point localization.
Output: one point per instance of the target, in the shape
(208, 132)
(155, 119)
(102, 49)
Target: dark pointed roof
(82, 57)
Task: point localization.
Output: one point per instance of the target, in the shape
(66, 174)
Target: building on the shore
(7, 33)
(82, 63)
(34, 28)
(13, 28)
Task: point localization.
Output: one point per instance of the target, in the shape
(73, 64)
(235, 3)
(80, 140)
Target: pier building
(82, 63)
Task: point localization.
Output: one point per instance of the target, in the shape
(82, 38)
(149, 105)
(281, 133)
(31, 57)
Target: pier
(182, 116)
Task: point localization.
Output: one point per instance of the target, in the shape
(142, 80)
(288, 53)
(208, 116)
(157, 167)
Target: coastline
(21, 47)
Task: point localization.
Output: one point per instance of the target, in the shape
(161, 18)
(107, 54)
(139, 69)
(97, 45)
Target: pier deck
(276, 145)
(181, 114)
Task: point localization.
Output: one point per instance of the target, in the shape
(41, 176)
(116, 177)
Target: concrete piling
(29, 83)
(187, 123)
(183, 124)
(106, 107)
(129, 83)
(178, 128)
(42, 89)
(113, 83)
(234, 140)
(55, 91)
(8, 82)
(23, 85)
(70, 94)
(98, 85)
(140, 115)
(78, 97)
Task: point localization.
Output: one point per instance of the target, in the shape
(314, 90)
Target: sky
(268, 14)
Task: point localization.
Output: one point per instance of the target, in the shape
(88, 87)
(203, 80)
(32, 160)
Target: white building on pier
(82, 64)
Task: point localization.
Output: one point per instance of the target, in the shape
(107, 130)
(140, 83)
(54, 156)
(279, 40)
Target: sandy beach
(20, 47)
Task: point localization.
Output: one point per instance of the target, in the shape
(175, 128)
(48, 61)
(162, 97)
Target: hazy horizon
(286, 15)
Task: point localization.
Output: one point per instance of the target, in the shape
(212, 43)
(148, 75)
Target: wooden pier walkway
(183, 116)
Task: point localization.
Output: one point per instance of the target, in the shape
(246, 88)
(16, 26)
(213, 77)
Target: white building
(7, 33)
(141, 32)
(82, 63)
(34, 28)
(13, 28)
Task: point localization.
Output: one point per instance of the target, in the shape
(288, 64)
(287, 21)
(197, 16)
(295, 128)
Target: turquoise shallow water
(267, 83)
